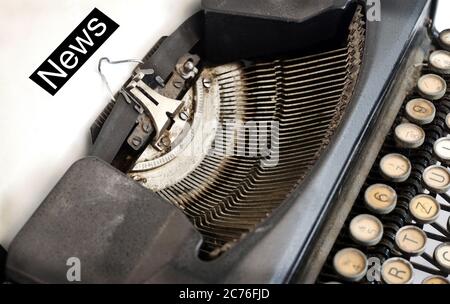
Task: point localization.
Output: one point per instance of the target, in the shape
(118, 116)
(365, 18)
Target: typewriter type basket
(304, 99)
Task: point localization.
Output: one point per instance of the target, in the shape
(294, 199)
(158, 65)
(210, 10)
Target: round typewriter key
(444, 39)
(436, 178)
(447, 121)
(440, 61)
(435, 280)
(442, 256)
(408, 135)
(380, 198)
(395, 167)
(424, 208)
(420, 111)
(441, 148)
(350, 263)
(365, 229)
(397, 271)
(432, 86)
(411, 240)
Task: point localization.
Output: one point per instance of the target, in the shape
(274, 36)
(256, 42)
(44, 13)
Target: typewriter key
(395, 167)
(432, 86)
(397, 271)
(441, 148)
(442, 256)
(436, 178)
(447, 121)
(350, 263)
(420, 111)
(365, 229)
(424, 208)
(440, 61)
(411, 240)
(444, 39)
(435, 280)
(380, 198)
(408, 135)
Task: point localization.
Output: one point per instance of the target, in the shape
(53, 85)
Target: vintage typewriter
(264, 142)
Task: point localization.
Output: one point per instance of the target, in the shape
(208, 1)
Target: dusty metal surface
(190, 137)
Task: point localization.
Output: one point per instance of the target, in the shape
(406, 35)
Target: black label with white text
(74, 51)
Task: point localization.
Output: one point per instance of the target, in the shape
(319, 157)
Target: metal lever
(160, 108)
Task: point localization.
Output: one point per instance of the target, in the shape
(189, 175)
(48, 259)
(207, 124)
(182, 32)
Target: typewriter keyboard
(398, 231)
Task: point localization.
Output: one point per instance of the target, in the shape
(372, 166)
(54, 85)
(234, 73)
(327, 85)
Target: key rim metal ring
(416, 252)
(442, 267)
(395, 259)
(432, 188)
(399, 179)
(422, 220)
(375, 240)
(355, 277)
(405, 144)
(439, 155)
(380, 211)
(419, 121)
(437, 95)
(435, 68)
(435, 277)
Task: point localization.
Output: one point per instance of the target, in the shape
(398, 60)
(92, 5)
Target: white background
(42, 135)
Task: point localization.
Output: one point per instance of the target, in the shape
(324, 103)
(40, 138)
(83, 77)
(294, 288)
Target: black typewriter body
(321, 67)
